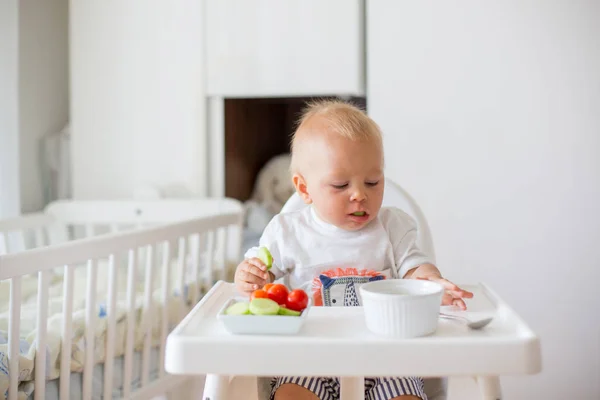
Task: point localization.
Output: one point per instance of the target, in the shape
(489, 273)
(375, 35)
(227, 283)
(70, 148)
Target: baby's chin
(352, 223)
(352, 227)
(347, 222)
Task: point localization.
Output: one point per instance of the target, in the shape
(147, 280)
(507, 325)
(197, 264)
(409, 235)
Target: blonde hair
(345, 119)
(342, 118)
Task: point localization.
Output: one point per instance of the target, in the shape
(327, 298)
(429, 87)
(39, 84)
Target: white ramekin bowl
(402, 308)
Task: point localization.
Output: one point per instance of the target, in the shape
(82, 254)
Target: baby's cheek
(327, 211)
(337, 211)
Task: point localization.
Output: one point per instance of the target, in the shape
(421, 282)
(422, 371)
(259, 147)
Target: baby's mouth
(359, 213)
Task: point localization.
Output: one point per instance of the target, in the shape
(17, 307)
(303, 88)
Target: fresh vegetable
(241, 308)
(297, 300)
(272, 299)
(264, 307)
(265, 256)
(278, 293)
(259, 294)
(287, 311)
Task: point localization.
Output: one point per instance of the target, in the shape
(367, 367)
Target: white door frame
(10, 188)
(216, 146)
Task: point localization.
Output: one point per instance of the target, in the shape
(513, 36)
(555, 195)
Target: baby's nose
(358, 195)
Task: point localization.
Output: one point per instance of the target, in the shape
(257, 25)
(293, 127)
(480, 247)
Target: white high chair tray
(334, 341)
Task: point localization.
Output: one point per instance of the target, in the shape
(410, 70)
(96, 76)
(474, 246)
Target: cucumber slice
(262, 306)
(240, 308)
(287, 311)
(265, 256)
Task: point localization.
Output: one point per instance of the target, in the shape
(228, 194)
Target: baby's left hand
(453, 295)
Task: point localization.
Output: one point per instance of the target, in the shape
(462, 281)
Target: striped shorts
(375, 388)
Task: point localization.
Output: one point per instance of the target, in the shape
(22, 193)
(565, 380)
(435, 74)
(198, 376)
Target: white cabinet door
(259, 48)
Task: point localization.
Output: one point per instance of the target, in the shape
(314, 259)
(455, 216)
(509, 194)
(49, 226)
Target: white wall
(9, 108)
(137, 103)
(43, 87)
(492, 114)
(262, 48)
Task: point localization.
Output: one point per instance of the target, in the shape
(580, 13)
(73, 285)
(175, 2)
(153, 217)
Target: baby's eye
(340, 186)
(372, 183)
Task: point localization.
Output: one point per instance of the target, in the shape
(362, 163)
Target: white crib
(98, 285)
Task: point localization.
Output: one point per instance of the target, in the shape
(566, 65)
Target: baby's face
(345, 181)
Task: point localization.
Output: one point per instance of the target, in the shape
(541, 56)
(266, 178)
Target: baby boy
(337, 168)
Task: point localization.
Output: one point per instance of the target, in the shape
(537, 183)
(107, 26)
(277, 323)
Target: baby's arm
(408, 257)
(413, 263)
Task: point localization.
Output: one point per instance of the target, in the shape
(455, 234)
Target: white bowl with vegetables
(260, 316)
(273, 309)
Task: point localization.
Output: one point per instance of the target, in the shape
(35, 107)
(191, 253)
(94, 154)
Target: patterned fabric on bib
(339, 287)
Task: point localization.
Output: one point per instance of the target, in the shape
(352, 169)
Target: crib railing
(195, 248)
(70, 220)
(24, 232)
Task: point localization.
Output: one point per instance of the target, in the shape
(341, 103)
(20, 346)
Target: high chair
(507, 346)
(394, 196)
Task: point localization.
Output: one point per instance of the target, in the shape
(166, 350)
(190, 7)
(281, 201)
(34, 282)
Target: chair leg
(245, 387)
(352, 388)
(489, 387)
(196, 388)
(216, 387)
(191, 388)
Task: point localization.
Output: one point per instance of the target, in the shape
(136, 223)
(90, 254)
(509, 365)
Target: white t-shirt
(303, 246)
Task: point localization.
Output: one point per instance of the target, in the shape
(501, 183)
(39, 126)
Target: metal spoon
(471, 324)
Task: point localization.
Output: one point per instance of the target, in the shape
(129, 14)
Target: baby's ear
(300, 185)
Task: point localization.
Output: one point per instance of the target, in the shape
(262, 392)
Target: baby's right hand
(250, 275)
